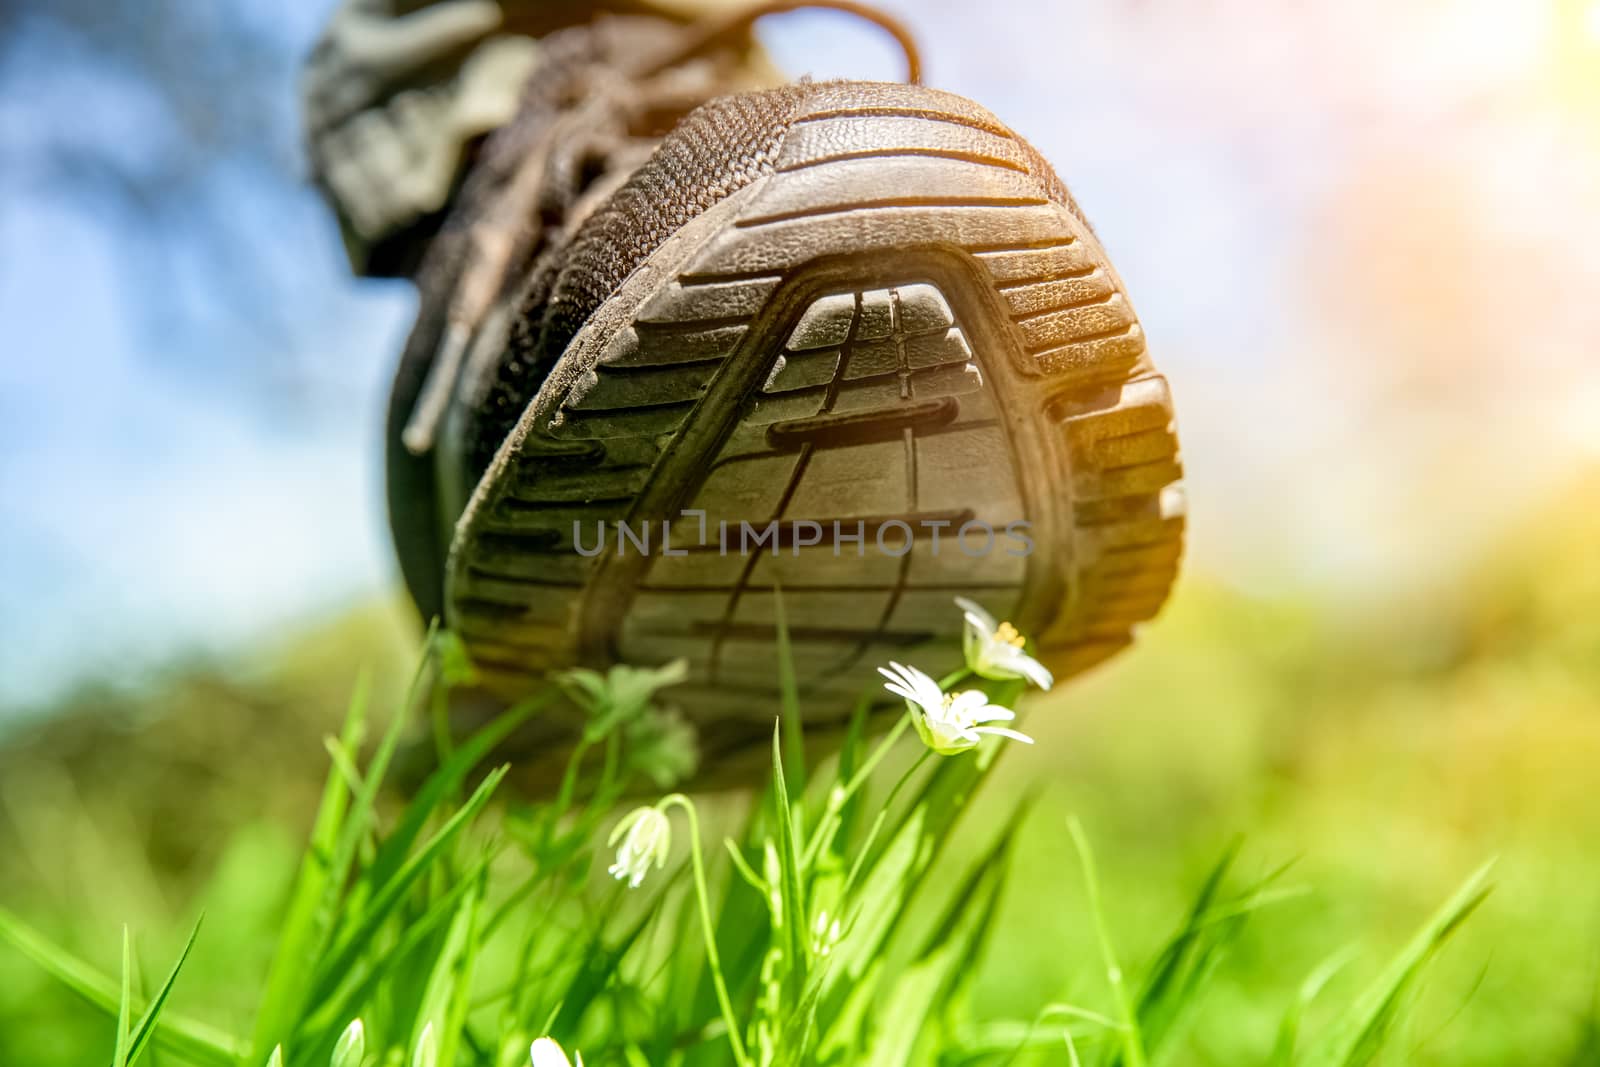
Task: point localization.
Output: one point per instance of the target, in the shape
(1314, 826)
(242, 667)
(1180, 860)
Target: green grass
(824, 936)
(1284, 806)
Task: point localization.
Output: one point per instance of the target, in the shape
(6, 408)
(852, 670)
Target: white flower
(546, 1053)
(351, 1048)
(995, 650)
(948, 723)
(646, 835)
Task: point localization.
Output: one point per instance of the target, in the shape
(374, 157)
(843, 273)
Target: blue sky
(194, 479)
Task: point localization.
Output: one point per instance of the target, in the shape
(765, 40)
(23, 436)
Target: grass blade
(445, 780)
(359, 822)
(600, 965)
(331, 969)
(790, 885)
(789, 693)
(1358, 1034)
(119, 1055)
(944, 968)
(445, 996)
(892, 875)
(1132, 1043)
(1289, 1029)
(906, 1009)
(145, 1029)
(183, 1037)
(337, 1010)
(296, 943)
(1172, 991)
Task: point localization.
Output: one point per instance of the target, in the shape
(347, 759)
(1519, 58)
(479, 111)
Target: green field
(1383, 751)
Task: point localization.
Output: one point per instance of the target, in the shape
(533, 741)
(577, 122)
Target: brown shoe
(852, 340)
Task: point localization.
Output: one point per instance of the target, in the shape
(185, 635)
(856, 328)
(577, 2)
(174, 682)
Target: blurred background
(1364, 240)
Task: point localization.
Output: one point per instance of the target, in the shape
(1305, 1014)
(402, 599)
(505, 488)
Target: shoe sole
(898, 328)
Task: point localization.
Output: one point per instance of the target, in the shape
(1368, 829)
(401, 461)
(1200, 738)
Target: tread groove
(827, 635)
(1098, 335)
(945, 117)
(676, 326)
(1076, 305)
(848, 427)
(1045, 279)
(894, 153)
(1043, 244)
(689, 279)
(892, 203)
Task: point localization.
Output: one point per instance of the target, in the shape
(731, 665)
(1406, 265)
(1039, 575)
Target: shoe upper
(513, 239)
(717, 150)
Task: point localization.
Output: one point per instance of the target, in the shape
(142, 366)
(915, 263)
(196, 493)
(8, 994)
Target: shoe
(853, 341)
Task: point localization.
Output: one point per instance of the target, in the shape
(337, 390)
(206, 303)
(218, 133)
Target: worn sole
(837, 382)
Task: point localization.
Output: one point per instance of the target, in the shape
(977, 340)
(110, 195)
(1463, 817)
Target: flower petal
(546, 1053)
(901, 691)
(967, 703)
(624, 825)
(1037, 672)
(993, 713)
(1021, 665)
(916, 686)
(1001, 731)
(976, 614)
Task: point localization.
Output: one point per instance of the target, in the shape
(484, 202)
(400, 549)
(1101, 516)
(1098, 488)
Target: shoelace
(624, 92)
